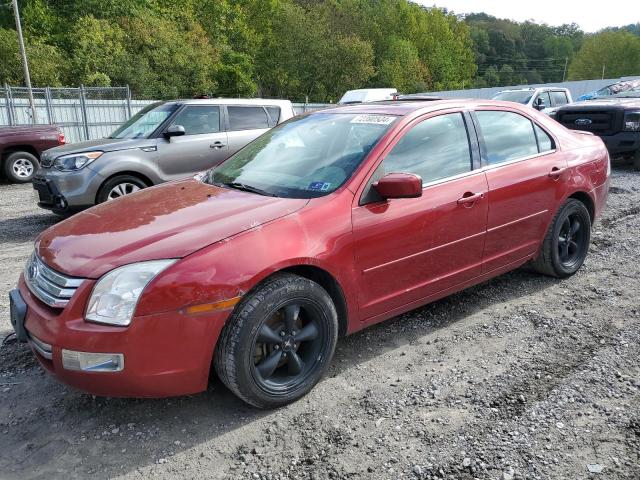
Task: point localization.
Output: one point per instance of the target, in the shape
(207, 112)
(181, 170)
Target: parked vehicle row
(326, 224)
(21, 148)
(164, 141)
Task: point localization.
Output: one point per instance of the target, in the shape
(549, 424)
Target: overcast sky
(590, 16)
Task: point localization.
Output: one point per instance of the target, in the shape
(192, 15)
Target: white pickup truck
(545, 99)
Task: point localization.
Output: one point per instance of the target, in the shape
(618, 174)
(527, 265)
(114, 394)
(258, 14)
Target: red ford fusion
(324, 225)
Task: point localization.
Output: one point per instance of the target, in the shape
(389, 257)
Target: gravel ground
(521, 377)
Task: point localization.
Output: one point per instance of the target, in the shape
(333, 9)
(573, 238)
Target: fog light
(92, 362)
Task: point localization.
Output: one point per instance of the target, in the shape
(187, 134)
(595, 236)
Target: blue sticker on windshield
(319, 186)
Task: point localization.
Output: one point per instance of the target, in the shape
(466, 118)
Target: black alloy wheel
(566, 243)
(572, 240)
(288, 346)
(278, 342)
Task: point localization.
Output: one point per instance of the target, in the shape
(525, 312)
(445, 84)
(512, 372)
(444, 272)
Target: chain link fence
(83, 113)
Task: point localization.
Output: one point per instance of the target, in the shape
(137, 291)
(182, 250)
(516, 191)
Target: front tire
(278, 342)
(19, 167)
(119, 186)
(566, 243)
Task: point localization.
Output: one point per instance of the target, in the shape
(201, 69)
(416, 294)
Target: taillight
(61, 139)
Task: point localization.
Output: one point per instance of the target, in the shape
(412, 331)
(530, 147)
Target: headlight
(75, 161)
(632, 121)
(115, 296)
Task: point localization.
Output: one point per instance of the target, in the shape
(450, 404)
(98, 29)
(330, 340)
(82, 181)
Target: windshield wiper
(248, 188)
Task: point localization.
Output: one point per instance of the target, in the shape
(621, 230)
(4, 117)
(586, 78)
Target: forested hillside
(285, 48)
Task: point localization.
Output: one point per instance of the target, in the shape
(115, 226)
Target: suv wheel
(278, 342)
(566, 243)
(119, 186)
(20, 167)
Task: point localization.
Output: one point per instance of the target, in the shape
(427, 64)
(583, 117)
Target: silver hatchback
(164, 141)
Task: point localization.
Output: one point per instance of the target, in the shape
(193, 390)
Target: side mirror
(539, 104)
(399, 185)
(174, 131)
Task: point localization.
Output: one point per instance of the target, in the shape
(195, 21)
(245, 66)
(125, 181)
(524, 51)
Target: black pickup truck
(616, 120)
(20, 149)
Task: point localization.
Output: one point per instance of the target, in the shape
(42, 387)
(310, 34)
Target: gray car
(164, 141)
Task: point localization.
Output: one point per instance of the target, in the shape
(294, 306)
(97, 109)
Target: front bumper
(622, 142)
(66, 191)
(165, 354)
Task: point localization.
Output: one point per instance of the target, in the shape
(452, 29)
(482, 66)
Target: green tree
(402, 68)
(618, 52)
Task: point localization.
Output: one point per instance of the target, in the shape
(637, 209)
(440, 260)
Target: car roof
(231, 101)
(398, 107)
(532, 89)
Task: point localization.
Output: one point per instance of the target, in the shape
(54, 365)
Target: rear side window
(545, 142)
(199, 119)
(559, 98)
(247, 118)
(507, 136)
(274, 114)
(435, 149)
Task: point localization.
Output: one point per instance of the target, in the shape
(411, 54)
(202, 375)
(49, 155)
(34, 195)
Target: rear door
(245, 123)
(203, 145)
(407, 249)
(524, 172)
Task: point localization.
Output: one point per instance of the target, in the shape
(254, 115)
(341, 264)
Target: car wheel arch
(588, 202)
(321, 276)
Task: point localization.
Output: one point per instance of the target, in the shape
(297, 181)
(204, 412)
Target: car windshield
(517, 96)
(145, 122)
(305, 157)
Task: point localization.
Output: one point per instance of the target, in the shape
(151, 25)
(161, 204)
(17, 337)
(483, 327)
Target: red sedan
(329, 223)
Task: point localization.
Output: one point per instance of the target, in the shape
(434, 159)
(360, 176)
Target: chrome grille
(53, 288)
(41, 347)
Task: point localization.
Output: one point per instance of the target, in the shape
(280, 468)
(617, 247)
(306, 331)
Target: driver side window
(199, 119)
(434, 149)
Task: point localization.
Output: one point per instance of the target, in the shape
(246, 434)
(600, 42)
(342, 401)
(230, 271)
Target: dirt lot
(522, 377)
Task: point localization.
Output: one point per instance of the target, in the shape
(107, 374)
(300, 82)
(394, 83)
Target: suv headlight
(115, 296)
(632, 122)
(75, 161)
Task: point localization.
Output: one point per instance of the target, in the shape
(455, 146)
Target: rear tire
(278, 342)
(566, 243)
(636, 161)
(119, 186)
(19, 167)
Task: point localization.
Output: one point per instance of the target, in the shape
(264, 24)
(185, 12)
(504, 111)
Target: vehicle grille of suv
(51, 287)
(600, 122)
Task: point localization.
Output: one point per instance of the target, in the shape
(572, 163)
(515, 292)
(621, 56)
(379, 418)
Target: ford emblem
(583, 121)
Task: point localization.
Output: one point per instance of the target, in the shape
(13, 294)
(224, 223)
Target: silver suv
(164, 141)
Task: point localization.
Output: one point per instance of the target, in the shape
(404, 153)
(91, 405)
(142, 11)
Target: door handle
(556, 172)
(469, 198)
(216, 145)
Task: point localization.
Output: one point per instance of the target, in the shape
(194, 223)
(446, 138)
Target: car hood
(102, 144)
(168, 221)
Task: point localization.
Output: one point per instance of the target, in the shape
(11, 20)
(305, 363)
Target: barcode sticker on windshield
(373, 119)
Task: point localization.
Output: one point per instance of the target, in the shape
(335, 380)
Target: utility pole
(602, 72)
(27, 78)
(564, 74)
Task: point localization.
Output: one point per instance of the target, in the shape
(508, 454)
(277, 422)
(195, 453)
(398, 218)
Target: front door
(409, 249)
(203, 145)
(524, 171)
